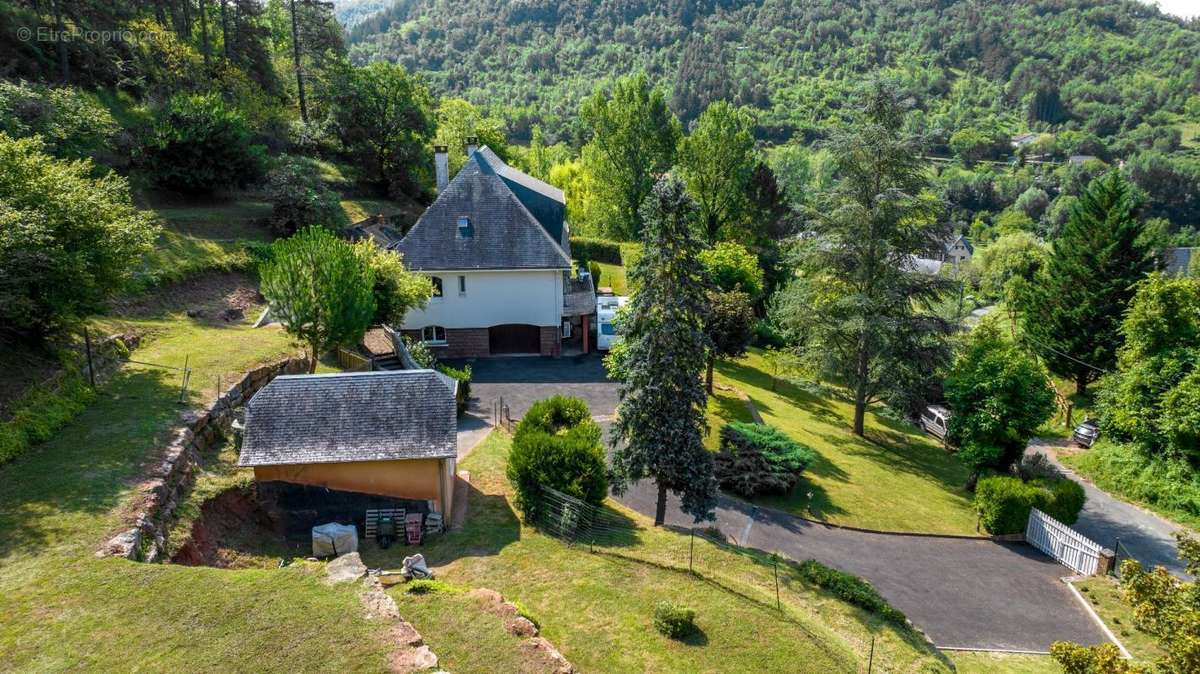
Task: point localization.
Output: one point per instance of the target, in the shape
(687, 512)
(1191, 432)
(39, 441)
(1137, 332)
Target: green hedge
(1004, 502)
(40, 412)
(598, 250)
(673, 620)
(850, 589)
(557, 445)
(463, 377)
(757, 458)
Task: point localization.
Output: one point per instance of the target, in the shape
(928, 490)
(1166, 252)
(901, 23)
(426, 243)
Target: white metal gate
(1062, 543)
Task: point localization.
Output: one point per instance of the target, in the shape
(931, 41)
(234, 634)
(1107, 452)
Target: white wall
(493, 298)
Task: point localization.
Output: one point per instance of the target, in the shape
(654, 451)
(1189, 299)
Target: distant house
(1181, 261)
(959, 250)
(497, 247)
(327, 447)
(924, 265)
(1021, 140)
(1082, 158)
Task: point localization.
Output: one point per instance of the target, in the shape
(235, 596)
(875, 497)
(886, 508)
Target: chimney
(441, 166)
(472, 145)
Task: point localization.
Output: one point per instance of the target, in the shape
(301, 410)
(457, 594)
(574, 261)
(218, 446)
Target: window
(437, 286)
(462, 284)
(608, 329)
(433, 334)
(464, 227)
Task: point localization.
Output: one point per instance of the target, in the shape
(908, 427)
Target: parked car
(935, 420)
(1087, 433)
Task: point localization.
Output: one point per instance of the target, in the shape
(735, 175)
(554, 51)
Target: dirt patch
(223, 297)
(234, 532)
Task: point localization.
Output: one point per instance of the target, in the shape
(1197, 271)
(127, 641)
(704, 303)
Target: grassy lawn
(613, 276)
(1170, 488)
(969, 662)
(597, 608)
(898, 479)
(1104, 594)
(65, 610)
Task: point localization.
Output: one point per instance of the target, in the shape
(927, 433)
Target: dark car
(1086, 434)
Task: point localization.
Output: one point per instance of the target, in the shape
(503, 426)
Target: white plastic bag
(333, 539)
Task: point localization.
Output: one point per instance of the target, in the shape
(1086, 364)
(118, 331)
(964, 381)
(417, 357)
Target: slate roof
(506, 233)
(358, 416)
(1179, 260)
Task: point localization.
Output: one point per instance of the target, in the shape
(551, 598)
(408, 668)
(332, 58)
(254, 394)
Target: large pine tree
(660, 420)
(1072, 310)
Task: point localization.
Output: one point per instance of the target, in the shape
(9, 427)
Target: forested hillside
(1119, 75)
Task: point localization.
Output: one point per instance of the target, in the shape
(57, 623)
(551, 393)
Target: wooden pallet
(373, 516)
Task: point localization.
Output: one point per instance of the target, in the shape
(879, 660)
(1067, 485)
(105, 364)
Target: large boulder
(347, 568)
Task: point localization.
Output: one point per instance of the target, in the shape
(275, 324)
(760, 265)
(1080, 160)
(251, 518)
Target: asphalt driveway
(1105, 519)
(520, 381)
(964, 593)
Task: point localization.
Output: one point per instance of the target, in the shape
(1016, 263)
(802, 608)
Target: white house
(496, 244)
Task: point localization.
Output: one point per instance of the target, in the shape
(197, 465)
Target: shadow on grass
(50, 493)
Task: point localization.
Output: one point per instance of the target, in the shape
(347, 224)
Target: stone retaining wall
(169, 478)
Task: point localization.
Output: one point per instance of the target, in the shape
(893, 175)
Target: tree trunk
(312, 358)
(1081, 384)
(660, 510)
(708, 375)
(860, 393)
(63, 62)
(299, 71)
(224, 29)
(204, 31)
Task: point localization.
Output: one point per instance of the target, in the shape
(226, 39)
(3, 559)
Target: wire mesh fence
(770, 580)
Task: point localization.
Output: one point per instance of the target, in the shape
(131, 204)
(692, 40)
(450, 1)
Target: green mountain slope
(1120, 75)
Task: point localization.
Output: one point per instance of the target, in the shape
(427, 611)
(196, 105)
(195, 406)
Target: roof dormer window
(465, 231)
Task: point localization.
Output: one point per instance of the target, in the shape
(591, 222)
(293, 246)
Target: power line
(1064, 355)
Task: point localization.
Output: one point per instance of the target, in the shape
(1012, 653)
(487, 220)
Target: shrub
(430, 586)
(71, 124)
(674, 621)
(300, 199)
(463, 377)
(595, 270)
(850, 589)
(39, 412)
(557, 445)
(599, 250)
(757, 458)
(1170, 485)
(1004, 502)
(198, 145)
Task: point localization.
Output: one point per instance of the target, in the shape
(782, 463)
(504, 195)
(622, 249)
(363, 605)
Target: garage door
(514, 338)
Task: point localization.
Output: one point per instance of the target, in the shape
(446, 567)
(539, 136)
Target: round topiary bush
(557, 445)
(674, 620)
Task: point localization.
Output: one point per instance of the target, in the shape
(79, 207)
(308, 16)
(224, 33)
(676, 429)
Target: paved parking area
(520, 381)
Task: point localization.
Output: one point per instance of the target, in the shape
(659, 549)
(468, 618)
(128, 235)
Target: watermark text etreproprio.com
(76, 34)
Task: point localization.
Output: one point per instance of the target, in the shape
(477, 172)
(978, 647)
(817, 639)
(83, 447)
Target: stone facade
(550, 342)
(167, 481)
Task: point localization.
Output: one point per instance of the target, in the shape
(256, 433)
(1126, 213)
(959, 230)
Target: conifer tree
(1072, 310)
(661, 416)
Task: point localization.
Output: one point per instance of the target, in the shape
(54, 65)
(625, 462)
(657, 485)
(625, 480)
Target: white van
(935, 420)
(606, 314)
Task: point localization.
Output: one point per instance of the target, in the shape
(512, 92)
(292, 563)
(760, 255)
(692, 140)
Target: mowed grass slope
(897, 479)
(65, 610)
(597, 608)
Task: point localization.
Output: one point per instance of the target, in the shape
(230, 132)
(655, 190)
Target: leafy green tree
(855, 310)
(1163, 606)
(71, 124)
(384, 118)
(321, 289)
(299, 198)
(729, 326)
(68, 240)
(731, 267)
(1072, 310)
(396, 289)
(458, 120)
(998, 396)
(198, 145)
(633, 140)
(716, 161)
(972, 144)
(557, 445)
(1015, 255)
(1149, 399)
(660, 425)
